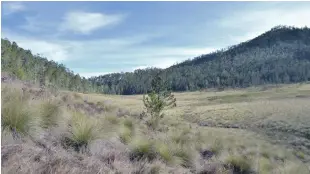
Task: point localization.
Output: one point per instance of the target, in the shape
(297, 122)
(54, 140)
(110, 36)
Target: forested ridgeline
(281, 55)
(24, 65)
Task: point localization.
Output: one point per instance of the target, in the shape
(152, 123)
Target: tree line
(26, 66)
(280, 55)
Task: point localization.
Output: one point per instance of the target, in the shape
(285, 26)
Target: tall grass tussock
(15, 114)
(49, 113)
(82, 130)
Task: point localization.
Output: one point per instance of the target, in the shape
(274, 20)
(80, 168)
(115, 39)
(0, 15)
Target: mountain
(280, 55)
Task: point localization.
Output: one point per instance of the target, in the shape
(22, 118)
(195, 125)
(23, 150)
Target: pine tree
(157, 100)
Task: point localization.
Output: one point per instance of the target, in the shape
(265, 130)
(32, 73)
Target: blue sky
(95, 38)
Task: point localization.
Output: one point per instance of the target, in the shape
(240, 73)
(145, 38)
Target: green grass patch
(164, 152)
(125, 134)
(239, 164)
(185, 155)
(82, 130)
(49, 112)
(15, 114)
(265, 166)
(142, 148)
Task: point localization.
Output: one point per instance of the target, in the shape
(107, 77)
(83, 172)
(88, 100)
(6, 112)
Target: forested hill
(24, 65)
(275, 36)
(281, 55)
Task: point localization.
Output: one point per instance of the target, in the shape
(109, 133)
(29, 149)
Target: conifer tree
(157, 100)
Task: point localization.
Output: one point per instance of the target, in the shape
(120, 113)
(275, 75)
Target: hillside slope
(281, 55)
(21, 63)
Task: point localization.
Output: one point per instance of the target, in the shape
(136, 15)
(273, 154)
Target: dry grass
(258, 130)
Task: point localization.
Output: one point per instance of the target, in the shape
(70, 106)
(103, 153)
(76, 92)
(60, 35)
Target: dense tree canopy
(281, 55)
(26, 66)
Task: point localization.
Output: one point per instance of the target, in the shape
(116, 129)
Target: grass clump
(185, 155)
(164, 152)
(126, 130)
(181, 137)
(217, 147)
(265, 154)
(142, 149)
(15, 117)
(265, 166)
(82, 130)
(49, 113)
(125, 134)
(300, 154)
(239, 164)
(129, 123)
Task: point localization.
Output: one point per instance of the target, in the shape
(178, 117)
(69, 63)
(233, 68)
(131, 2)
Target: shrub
(81, 131)
(50, 112)
(156, 101)
(152, 123)
(15, 116)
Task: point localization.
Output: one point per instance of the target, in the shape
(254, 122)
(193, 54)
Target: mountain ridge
(280, 45)
(266, 59)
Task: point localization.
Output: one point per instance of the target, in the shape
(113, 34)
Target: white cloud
(253, 22)
(50, 50)
(12, 7)
(85, 23)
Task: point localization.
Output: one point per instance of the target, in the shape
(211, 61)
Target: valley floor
(256, 130)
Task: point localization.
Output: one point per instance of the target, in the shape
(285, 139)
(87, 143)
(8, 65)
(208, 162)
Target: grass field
(256, 130)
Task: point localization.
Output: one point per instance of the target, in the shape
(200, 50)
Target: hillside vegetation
(22, 64)
(278, 56)
(281, 55)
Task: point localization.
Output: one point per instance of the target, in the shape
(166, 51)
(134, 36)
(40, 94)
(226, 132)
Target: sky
(96, 38)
